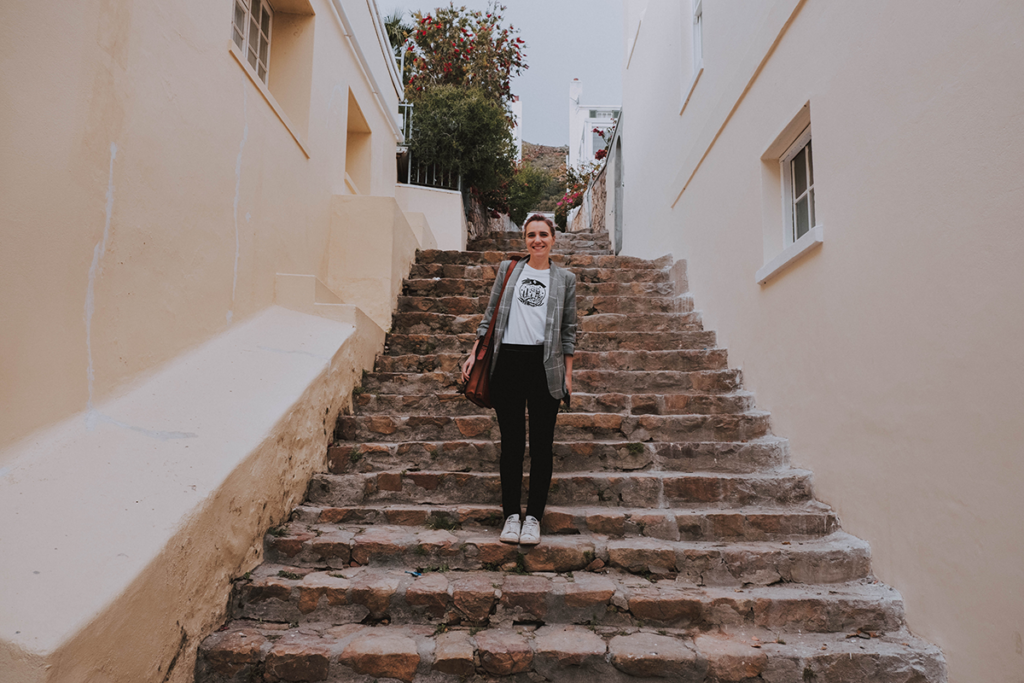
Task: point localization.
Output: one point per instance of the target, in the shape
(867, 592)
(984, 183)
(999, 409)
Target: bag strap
(494, 316)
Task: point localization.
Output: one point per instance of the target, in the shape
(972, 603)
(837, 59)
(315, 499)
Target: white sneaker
(510, 534)
(531, 531)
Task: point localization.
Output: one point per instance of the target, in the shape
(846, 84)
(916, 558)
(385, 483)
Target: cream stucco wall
(150, 191)
(183, 311)
(890, 355)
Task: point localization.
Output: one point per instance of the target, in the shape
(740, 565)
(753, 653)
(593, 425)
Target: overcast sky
(565, 39)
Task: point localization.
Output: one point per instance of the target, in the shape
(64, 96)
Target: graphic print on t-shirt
(531, 292)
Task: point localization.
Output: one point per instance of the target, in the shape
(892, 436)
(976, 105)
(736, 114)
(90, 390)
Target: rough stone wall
(598, 198)
(480, 223)
(596, 195)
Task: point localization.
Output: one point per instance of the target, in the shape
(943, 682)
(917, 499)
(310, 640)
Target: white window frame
(697, 23)
(789, 198)
(256, 48)
(698, 35)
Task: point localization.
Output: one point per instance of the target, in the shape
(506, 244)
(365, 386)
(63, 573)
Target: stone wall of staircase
(679, 543)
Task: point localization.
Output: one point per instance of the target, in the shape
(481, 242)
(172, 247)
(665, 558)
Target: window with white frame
(798, 187)
(250, 30)
(698, 34)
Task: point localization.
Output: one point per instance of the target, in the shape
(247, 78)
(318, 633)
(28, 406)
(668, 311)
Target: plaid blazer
(559, 326)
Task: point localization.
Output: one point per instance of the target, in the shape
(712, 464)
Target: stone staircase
(679, 543)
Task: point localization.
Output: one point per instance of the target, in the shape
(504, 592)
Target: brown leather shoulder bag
(478, 388)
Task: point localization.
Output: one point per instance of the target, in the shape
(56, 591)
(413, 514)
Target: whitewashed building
(844, 182)
(584, 141)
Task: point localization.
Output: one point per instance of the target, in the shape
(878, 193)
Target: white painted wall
(442, 209)
(890, 355)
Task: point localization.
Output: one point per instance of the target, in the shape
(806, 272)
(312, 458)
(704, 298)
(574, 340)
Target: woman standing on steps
(534, 340)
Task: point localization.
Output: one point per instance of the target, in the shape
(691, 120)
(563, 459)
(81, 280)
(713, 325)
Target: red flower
(600, 154)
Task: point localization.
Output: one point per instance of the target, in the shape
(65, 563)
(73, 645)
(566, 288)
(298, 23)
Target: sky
(565, 39)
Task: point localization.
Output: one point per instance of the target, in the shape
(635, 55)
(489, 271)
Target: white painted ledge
(124, 526)
(814, 238)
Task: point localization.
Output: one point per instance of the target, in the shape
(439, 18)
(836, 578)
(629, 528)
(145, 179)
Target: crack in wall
(238, 188)
(90, 291)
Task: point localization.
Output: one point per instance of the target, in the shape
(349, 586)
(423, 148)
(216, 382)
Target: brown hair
(538, 217)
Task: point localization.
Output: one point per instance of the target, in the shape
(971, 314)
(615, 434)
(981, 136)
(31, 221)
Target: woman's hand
(467, 367)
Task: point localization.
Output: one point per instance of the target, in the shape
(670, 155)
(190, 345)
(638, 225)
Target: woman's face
(539, 239)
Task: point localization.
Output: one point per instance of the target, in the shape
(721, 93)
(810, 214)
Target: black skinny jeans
(519, 381)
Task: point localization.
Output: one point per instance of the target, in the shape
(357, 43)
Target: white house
(844, 181)
(584, 142)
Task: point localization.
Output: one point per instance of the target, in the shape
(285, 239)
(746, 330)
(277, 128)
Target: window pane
(814, 221)
(265, 22)
(239, 17)
(254, 7)
(254, 35)
(263, 50)
(810, 163)
(263, 73)
(252, 59)
(237, 37)
(800, 173)
(802, 223)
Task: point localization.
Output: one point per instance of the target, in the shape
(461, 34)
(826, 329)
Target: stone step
(517, 238)
(640, 322)
(571, 261)
(570, 456)
(587, 381)
(568, 427)
(645, 341)
(678, 360)
(445, 323)
(420, 271)
(581, 249)
(562, 241)
(796, 522)
(586, 305)
(454, 403)
(836, 558)
(650, 489)
(563, 250)
(282, 593)
(399, 344)
(482, 287)
(570, 653)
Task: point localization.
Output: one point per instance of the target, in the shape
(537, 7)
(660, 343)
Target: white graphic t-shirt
(529, 307)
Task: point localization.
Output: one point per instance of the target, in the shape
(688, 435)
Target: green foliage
(465, 131)
(525, 190)
(576, 181)
(470, 49)
(398, 31)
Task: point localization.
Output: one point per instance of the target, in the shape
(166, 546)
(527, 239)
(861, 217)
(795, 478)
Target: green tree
(471, 49)
(525, 190)
(464, 130)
